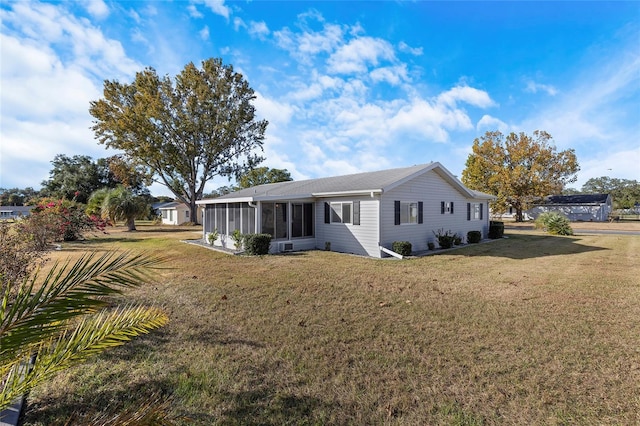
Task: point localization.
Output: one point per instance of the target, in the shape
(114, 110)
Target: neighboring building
(357, 213)
(174, 213)
(579, 207)
(14, 212)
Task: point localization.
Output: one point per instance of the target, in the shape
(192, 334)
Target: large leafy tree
(624, 192)
(263, 175)
(122, 204)
(75, 178)
(184, 131)
(518, 169)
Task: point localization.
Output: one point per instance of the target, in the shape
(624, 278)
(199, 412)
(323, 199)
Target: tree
(75, 178)
(17, 196)
(186, 131)
(518, 169)
(624, 192)
(129, 175)
(121, 204)
(64, 319)
(262, 175)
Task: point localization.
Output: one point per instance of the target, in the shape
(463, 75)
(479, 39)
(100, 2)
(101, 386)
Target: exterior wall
(175, 216)
(430, 189)
(346, 237)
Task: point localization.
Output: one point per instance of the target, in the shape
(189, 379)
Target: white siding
(430, 189)
(346, 237)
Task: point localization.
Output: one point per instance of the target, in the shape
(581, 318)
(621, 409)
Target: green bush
(257, 244)
(496, 229)
(402, 247)
(474, 237)
(554, 223)
(445, 238)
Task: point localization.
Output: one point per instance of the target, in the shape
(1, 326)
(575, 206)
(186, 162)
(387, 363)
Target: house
(580, 207)
(14, 212)
(174, 213)
(358, 213)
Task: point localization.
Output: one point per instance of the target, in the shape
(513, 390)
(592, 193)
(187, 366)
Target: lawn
(532, 329)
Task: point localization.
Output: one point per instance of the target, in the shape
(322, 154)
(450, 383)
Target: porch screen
(274, 220)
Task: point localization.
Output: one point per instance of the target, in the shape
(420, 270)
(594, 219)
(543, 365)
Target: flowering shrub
(61, 220)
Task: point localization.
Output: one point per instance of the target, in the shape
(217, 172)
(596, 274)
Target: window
(165, 214)
(341, 212)
(274, 220)
(187, 214)
(446, 207)
(301, 220)
(474, 211)
(408, 212)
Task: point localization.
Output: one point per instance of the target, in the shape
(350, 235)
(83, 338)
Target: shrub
(496, 229)
(445, 238)
(257, 244)
(431, 245)
(457, 239)
(402, 247)
(212, 236)
(554, 223)
(237, 238)
(474, 237)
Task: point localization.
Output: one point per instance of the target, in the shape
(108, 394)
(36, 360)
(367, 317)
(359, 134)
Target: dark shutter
(420, 215)
(452, 207)
(356, 212)
(481, 204)
(327, 213)
(397, 212)
(442, 207)
(468, 211)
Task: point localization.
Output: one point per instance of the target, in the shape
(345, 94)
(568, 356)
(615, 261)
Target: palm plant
(121, 204)
(66, 319)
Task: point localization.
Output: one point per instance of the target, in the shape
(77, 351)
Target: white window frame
(405, 213)
(476, 208)
(338, 211)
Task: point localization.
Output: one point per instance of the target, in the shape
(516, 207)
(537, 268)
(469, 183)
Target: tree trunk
(194, 213)
(519, 217)
(131, 224)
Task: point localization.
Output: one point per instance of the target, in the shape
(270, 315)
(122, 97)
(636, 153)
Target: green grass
(533, 329)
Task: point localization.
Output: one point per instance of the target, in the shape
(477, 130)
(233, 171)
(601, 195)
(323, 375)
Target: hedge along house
(579, 207)
(358, 213)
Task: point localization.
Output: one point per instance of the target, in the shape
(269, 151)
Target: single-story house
(175, 213)
(14, 212)
(359, 213)
(579, 207)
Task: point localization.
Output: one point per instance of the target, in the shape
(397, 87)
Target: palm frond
(66, 292)
(93, 335)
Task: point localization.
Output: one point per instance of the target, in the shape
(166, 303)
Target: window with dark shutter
(420, 215)
(468, 211)
(396, 212)
(442, 207)
(452, 207)
(481, 211)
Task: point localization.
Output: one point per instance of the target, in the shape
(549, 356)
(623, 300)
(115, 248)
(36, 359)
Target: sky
(347, 86)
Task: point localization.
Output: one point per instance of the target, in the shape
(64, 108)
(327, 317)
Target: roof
(353, 184)
(171, 205)
(17, 209)
(576, 199)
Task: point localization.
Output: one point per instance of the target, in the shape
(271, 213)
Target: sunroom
(290, 223)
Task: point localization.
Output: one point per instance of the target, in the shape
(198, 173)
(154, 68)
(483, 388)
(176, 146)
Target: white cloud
(258, 29)
(193, 11)
(469, 95)
(394, 75)
(489, 123)
(238, 23)
(204, 33)
(357, 55)
(97, 8)
(533, 87)
(217, 6)
(404, 47)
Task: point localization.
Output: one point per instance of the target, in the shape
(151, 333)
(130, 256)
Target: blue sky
(347, 86)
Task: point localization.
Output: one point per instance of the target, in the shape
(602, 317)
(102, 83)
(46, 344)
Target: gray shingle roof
(382, 180)
(576, 199)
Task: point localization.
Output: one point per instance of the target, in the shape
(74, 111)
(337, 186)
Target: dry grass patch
(533, 329)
